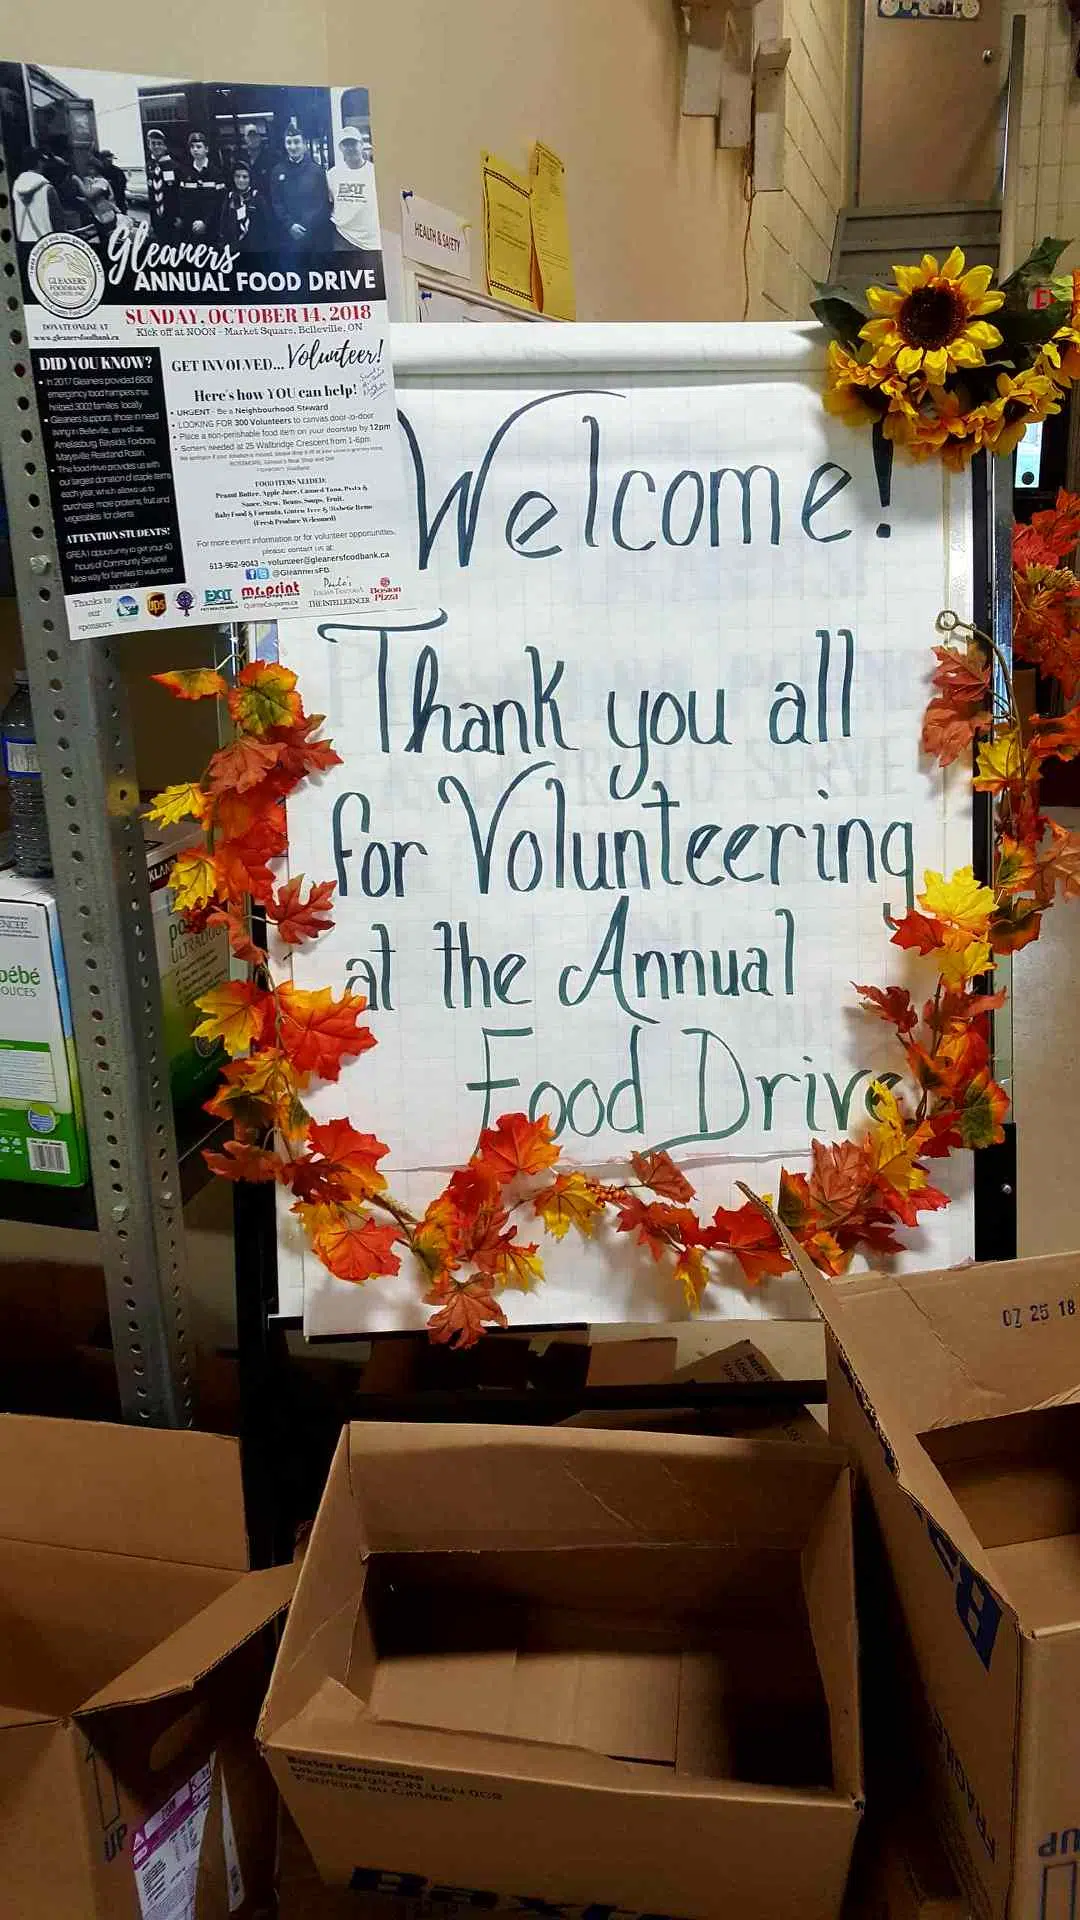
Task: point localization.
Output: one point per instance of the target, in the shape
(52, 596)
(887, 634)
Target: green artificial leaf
(1038, 266)
(841, 317)
(1024, 326)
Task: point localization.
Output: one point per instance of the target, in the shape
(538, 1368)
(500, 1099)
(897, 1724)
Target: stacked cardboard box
(959, 1393)
(131, 1669)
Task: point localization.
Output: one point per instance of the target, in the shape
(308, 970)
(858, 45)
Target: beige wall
(1044, 184)
(792, 230)
(655, 210)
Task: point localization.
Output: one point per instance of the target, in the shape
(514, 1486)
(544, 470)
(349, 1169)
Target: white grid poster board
(626, 799)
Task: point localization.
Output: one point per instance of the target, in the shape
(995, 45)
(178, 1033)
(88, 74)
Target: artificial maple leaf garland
(467, 1245)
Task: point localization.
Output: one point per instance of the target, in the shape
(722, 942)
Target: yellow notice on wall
(554, 267)
(507, 234)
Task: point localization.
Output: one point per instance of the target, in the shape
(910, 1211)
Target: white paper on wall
(625, 803)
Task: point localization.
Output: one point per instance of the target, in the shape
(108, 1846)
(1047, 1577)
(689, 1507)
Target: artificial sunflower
(1025, 397)
(849, 382)
(934, 322)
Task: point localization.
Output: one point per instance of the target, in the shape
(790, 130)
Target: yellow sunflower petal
(908, 278)
(964, 353)
(880, 330)
(910, 359)
(952, 268)
(935, 364)
(987, 303)
(883, 300)
(927, 269)
(975, 281)
(981, 334)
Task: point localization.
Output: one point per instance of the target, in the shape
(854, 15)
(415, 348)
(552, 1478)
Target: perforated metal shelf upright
(92, 801)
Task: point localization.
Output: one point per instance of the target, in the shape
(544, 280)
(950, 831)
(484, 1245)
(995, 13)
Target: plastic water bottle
(20, 756)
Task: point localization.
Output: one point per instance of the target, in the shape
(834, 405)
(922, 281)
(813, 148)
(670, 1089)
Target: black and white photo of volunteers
(351, 182)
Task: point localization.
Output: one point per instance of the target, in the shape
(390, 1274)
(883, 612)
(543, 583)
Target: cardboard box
(42, 1133)
(900, 1871)
(588, 1668)
(131, 1671)
(652, 1362)
(960, 1394)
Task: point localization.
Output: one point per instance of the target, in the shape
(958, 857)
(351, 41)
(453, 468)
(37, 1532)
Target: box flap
(449, 1487)
(941, 1349)
(148, 1492)
(21, 1717)
(187, 1655)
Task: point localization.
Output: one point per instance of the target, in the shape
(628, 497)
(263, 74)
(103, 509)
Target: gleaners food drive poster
(629, 796)
(206, 314)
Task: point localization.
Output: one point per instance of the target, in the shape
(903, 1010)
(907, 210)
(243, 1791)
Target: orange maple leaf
(795, 1205)
(352, 1246)
(465, 1308)
(658, 1172)
(983, 1107)
(298, 919)
(947, 734)
(192, 683)
(1060, 866)
(239, 1160)
(438, 1239)
(261, 1094)
(264, 697)
(240, 766)
(657, 1225)
(239, 933)
(301, 755)
(236, 1012)
(516, 1144)
(962, 676)
(318, 1032)
(341, 1160)
(514, 1264)
(745, 1232)
(840, 1177)
(571, 1200)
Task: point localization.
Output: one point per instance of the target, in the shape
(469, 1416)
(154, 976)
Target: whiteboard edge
(442, 350)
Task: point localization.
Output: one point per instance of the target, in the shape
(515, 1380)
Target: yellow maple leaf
(194, 879)
(570, 1201)
(961, 960)
(235, 1013)
(959, 901)
(184, 801)
(437, 1239)
(894, 1144)
(517, 1266)
(999, 761)
(692, 1273)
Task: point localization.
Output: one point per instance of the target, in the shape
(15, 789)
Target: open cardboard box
(959, 1392)
(131, 1671)
(581, 1666)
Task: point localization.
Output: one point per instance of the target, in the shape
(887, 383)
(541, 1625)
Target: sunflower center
(931, 317)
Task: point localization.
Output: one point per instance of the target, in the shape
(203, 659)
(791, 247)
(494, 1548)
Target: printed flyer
(206, 315)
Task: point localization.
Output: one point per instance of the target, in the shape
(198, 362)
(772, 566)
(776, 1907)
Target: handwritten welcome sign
(626, 803)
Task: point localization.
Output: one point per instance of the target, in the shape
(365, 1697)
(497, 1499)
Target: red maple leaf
(892, 1004)
(516, 1144)
(298, 919)
(1057, 739)
(745, 1232)
(658, 1172)
(465, 1308)
(918, 931)
(318, 1032)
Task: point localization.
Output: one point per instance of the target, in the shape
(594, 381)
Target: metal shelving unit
(92, 802)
